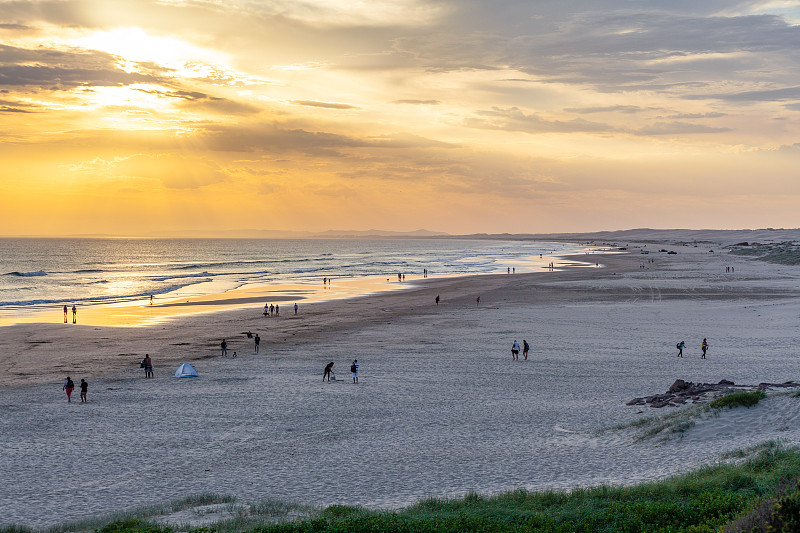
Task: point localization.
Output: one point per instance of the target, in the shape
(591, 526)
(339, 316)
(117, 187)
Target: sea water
(39, 274)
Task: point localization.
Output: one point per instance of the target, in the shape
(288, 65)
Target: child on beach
(354, 370)
(704, 347)
(256, 343)
(84, 388)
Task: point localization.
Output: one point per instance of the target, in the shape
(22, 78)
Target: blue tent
(186, 371)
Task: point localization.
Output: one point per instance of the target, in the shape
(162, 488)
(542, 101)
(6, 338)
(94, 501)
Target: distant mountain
(720, 236)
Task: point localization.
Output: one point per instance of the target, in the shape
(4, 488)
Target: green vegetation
(736, 399)
(759, 492)
(784, 253)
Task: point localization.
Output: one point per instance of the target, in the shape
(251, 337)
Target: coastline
(441, 409)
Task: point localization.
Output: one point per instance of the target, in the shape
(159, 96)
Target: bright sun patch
(134, 45)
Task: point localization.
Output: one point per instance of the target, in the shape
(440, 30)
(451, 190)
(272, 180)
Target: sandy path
(441, 409)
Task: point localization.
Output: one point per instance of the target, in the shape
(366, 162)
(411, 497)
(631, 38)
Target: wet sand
(441, 408)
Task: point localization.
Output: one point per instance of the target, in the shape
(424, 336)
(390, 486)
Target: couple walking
(515, 350)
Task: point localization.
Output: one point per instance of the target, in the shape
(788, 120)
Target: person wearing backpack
(69, 386)
(680, 346)
(354, 370)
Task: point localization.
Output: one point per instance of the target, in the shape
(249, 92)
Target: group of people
(515, 350)
(703, 346)
(275, 309)
(69, 386)
(328, 373)
(74, 314)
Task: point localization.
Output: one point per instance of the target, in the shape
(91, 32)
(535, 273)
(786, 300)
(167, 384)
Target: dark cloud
(274, 139)
(196, 99)
(327, 105)
(13, 27)
(62, 69)
(766, 95)
(513, 119)
(8, 109)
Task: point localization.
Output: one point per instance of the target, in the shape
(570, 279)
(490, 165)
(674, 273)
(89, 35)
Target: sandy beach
(440, 409)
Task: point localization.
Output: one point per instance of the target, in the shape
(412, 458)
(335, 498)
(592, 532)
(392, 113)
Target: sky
(130, 117)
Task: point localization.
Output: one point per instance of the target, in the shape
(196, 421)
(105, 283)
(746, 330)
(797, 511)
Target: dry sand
(441, 409)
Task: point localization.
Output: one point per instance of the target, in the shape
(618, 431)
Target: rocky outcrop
(682, 392)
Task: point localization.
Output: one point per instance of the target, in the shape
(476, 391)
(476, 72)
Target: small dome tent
(186, 371)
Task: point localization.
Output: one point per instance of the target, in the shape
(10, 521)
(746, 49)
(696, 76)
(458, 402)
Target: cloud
(63, 69)
(13, 27)
(629, 109)
(327, 105)
(9, 109)
(713, 114)
(766, 95)
(271, 138)
(677, 128)
(513, 119)
(201, 100)
(417, 102)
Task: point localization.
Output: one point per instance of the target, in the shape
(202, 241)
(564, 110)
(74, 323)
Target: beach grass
(736, 399)
(759, 491)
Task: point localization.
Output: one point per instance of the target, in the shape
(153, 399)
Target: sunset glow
(144, 117)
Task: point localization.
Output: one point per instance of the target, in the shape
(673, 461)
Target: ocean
(41, 274)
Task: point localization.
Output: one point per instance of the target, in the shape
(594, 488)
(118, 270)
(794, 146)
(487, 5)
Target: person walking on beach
(295, 308)
(266, 309)
(271, 309)
(354, 370)
(224, 346)
(704, 347)
(478, 302)
(515, 350)
(256, 343)
(84, 388)
(148, 366)
(437, 299)
(74, 314)
(69, 386)
(277, 310)
(525, 348)
(65, 313)
(328, 371)
(680, 346)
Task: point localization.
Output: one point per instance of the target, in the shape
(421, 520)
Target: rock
(725, 382)
(636, 401)
(680, 385)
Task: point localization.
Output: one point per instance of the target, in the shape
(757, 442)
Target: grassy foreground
(723, 498)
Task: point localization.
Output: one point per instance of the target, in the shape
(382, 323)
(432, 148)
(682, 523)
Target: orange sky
(137, 117)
